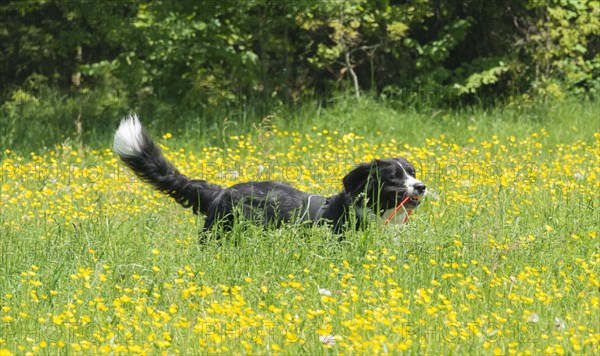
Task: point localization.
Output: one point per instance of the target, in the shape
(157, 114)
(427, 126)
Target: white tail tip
(129, 138)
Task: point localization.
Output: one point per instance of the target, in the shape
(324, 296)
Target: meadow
(502, 257)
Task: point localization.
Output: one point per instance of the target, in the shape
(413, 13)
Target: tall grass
(503, 257)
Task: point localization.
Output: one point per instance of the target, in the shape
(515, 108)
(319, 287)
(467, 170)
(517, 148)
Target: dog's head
(385, 183)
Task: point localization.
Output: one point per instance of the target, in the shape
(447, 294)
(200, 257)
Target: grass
(502, 258)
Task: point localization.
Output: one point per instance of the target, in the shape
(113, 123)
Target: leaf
(397, 30)
(200, 26)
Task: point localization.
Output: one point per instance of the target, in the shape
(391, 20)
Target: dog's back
(267, 203)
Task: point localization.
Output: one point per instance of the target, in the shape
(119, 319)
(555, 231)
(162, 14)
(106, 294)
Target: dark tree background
(63, 59)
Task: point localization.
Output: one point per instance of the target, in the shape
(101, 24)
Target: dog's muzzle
(415, 193)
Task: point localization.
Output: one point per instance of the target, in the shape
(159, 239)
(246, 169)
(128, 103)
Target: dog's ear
(356, 180)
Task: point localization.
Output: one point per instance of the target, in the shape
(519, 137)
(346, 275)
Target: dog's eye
(410, 171)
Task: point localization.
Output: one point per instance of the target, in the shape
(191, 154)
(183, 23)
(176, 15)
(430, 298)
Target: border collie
(370, 189)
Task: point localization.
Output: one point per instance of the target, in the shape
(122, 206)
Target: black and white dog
(370, 189)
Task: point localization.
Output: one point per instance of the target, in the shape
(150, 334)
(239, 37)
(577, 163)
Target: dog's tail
(138, 152)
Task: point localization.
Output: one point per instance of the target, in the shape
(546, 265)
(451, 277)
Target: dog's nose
(420, 187)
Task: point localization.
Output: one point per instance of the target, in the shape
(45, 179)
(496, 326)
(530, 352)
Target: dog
(370, 189)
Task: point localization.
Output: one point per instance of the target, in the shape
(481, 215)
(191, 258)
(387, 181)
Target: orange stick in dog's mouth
(400, 206)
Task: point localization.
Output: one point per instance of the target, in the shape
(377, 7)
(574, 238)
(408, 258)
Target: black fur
(369, 189)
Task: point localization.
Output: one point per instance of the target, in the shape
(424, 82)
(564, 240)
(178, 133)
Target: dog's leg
(215, 225)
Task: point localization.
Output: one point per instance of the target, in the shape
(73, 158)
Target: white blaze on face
(410, 182)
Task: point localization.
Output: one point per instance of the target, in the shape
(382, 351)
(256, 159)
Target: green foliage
(486, 77)
(562, 40)
(38, 115)
(238, 58)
